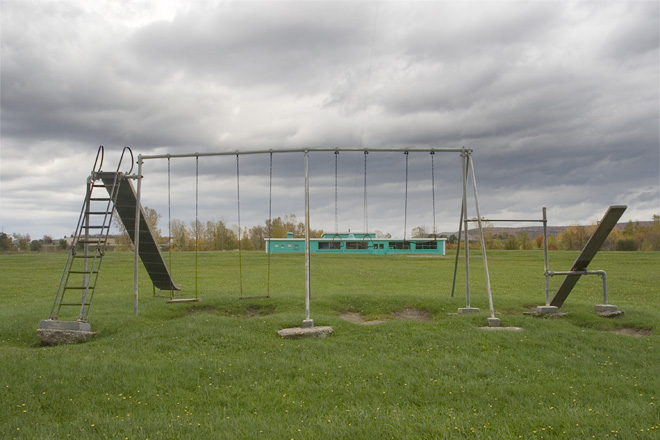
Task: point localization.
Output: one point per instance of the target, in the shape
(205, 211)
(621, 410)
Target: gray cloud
(559, 100)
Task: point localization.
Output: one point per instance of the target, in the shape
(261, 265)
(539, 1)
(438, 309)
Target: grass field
(217, 369)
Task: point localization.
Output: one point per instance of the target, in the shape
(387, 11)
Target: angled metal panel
(589, 251)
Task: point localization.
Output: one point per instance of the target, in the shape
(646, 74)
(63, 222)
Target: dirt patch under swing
(407, 314)
(633, 331)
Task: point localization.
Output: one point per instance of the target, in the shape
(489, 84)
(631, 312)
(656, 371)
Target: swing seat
(183, 300)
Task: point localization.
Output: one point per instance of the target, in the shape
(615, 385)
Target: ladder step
(78, 288)
(74, 304)
(97, 212)
(100, 199)
(84, 271)
(96, 227)
(92, 241)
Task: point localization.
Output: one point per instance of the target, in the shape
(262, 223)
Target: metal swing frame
(466, 169)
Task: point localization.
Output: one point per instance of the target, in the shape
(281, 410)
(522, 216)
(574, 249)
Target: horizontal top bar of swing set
(305, 150)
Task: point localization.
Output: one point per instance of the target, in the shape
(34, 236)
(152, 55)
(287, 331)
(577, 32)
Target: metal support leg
(492, 321)
(308, 322)
(136, 258)
(468, 308)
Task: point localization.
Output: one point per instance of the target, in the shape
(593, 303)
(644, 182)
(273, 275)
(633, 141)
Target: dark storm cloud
(297, 45)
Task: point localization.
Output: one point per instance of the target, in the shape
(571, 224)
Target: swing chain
(196, 221)
(366, 211)
(336, 199)
(435, 235)
(169, 219)
(238, 208)
(405, 210)
(270, 221)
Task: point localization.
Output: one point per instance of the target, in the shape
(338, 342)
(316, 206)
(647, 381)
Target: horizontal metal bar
(506, 220)
(303, 150)
(577, 272)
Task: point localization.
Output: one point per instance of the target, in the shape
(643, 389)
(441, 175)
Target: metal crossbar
(306, 150)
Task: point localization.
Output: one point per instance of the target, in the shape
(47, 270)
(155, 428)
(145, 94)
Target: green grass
(218, 369)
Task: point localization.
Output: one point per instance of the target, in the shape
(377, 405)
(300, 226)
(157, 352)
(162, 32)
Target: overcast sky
(559, 102)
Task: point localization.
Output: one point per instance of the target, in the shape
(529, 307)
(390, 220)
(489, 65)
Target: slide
(149, 252)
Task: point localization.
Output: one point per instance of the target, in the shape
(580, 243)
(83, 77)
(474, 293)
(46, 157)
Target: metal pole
(545, 257)
(308, 322)
(464, 156)
(458, 250)
(86, 278)
(136, 242)
(483, 241)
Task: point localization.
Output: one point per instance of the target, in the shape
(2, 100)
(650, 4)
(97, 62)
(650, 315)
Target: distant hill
(533, 231)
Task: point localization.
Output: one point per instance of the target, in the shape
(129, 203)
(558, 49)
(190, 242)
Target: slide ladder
(90, 240)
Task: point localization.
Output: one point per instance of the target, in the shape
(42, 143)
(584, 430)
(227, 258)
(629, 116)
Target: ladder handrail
(122, 158)
(101, 152)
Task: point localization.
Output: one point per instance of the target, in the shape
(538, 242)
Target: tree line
(632, 237)
(216, 235)
(19, 243)
(219, 236)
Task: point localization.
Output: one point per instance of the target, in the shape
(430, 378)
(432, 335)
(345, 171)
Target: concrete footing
(308, 323)
(606, 308)
(544, 310)
(466, 310)
(53, 332)
(305, 332)
(494, 322)
(608, 311)
(504, 329)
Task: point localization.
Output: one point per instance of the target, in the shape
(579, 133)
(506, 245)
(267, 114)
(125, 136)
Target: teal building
(356, 243)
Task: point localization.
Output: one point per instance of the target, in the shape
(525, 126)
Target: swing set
(91, 239)
(467, 170)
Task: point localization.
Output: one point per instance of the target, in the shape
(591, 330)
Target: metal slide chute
(125, 206)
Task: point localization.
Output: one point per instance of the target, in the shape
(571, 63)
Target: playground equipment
(579, 267)
(467, 169)
(81, 272)
(124, 199)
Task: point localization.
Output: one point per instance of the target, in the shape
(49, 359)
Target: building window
(357, 245)
(288, 245)
(329, 245)
(400, 245)
(426, 245)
